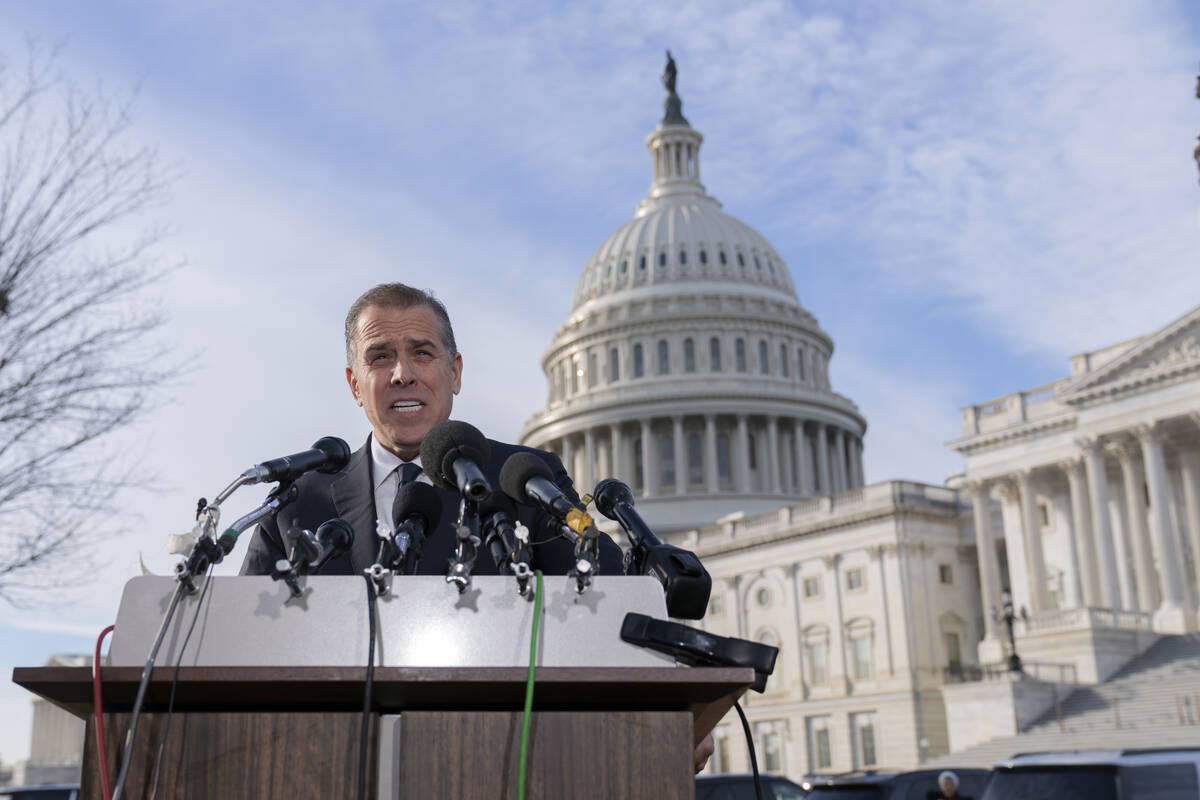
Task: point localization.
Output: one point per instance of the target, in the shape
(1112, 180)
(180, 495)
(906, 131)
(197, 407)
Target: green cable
(533, 637)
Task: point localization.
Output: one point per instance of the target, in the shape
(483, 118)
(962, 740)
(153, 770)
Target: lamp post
(1008, 615)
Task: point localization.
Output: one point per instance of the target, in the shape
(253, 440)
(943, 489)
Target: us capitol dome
(688, 368)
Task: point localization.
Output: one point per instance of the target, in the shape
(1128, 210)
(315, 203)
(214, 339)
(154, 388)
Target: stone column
(1172, 615)
(1034, 554)
(822, 460)
(712, 478)
(803, 463)
(837, 631)
(617, 449)
(1014, 541)
(650, 472)
(1106, 560)
(681, 466)
(1133, 479)
(1189, 461)
(772, 482)
(742, 453)
(589, 461)
(839, 460)
(985, 546)
(568, 455)
(1081, 532)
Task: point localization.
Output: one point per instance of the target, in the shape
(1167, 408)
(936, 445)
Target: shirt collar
(384, 461)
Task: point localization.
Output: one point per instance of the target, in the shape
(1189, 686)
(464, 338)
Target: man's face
(948, 787)
(402, 375)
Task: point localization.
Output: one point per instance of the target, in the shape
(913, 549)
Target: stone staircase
(1153, 701)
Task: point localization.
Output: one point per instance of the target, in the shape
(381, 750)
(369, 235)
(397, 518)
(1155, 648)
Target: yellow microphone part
(578, 521)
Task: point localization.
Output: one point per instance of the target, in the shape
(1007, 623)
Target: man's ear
(353, 382)
(456, 372)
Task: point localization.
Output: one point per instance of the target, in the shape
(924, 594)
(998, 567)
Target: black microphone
(416, 513)
(454, 455)
(685, 580)
(334, 537)
(311, 551)
(498, 516)
(528, 480)
(328, 454)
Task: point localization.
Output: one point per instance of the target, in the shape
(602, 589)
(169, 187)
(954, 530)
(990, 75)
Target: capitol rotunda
(688, 368)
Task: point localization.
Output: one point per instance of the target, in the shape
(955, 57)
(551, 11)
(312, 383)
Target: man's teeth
(407, 404)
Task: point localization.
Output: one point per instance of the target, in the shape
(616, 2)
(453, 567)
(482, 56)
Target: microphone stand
(467, 546)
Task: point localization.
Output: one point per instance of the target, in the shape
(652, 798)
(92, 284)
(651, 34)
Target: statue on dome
(673, 106)
(668, 76)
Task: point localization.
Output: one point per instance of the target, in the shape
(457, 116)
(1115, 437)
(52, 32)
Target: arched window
(783, 359)
(714, 354)
(763, 366)
(624, 265)
(664, 361)
(642, 263)
(741, 260)
(639, 364)
(739, 355)
(614, 365)
(689, 356)
(800, 363)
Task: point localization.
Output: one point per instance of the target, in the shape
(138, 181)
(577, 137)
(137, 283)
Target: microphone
(528, 480)
(499, 526)
(453, 455)
(311, 551)
(416, 512)
(683, 577)
(328, 454)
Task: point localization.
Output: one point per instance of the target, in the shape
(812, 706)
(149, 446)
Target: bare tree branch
(80, 354)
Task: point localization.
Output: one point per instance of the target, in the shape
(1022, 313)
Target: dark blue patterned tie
(408, 472)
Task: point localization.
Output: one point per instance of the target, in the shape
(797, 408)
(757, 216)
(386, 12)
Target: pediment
(1162, 356)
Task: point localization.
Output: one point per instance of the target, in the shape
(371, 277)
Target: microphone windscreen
(447, 442)
(335, 536)
(336, 450)
(518, 470)
(497, 502)
(418, 499)
(608, 493)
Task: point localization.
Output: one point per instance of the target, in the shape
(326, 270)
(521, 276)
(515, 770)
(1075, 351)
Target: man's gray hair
(397, 295)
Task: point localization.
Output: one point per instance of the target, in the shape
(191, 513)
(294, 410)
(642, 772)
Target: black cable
(143, 684)
(175, 680)
(750, 746)
(367, 686)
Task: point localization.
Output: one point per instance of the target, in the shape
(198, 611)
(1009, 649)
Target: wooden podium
(293, 732)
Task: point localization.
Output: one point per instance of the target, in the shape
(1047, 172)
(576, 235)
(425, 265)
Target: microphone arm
(686, 583)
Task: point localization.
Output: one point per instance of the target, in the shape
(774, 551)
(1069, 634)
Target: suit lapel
(354, 501)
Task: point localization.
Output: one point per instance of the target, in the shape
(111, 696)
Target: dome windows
(624, 265)
(763, 366)
(739, 355)
(614, 365)
(757, 264)
(662, 260)
(721, 257)
(683, 257)
(664, 359)
(689, 355)
(714, 354)
(783, 359)
(741, 261)
(642, 263)
(639, 361)
(703, 257)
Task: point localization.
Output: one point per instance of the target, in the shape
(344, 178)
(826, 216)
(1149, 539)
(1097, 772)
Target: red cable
(101, 750)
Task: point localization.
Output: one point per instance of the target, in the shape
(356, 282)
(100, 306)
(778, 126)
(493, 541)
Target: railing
(1040, 671)
(1013, 409)
(1074, 618)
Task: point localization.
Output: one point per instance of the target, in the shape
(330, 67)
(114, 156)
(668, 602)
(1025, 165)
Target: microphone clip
(466, 548)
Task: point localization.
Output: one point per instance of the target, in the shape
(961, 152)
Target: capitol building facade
(688, 368)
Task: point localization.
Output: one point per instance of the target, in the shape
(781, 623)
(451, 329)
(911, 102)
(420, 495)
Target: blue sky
(966, 194)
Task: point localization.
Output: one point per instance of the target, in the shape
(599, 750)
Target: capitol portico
(1086, 499)
(687, 365)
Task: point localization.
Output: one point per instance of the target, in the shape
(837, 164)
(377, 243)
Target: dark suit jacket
(349, 494)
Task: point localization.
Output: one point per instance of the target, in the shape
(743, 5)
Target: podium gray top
(252, 621)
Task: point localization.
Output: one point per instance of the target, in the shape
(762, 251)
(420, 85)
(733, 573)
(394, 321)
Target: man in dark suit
(404, 368)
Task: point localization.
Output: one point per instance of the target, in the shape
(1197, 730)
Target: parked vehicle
(1099, 775)
(893, 785)
(55, 791)
(740, 786)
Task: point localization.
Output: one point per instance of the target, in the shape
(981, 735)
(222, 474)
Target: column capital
(831, 562)
(1148, 432)
(1087, 444)
(1008, 490)
(1023, 477)
(1073, 467)
(1124, 449)
(979, 486)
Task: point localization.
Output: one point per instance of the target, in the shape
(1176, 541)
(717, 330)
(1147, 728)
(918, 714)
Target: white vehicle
(1098, 775)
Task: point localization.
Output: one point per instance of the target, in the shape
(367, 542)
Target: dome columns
(688, 454)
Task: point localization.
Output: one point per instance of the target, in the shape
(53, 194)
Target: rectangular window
(575, 373)
(814, 653)
(614, 365)
(819, 754)
(739, 355)
(812, 587)
(862, 657)
(1044, 514)
(666, 458)
(724, 469)
(946, 573)
(862, 733)
(689, 356)
(695, 460)
(664, 358)
(714, 354)
(783, 359)
(772, 745)
(854, 579)
(639, 362)
(722, 754)
(800, 364)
